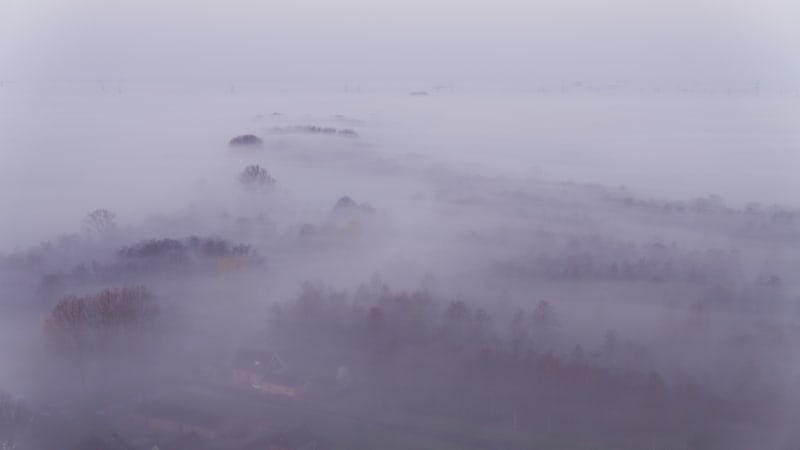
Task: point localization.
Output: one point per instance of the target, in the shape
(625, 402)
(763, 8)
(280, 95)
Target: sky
(700, 42)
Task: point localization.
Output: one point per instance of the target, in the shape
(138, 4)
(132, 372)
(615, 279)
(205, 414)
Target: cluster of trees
(94, 321)
(753, 219)
(246, 140)
(256, 177)
(416, 353)
(604, 258)
(153, 255)
(313, 129)
(183, 250)
(110, 323)
(710, 205)
(376, 318)
(346, 215)
(40, 258)
(346, 204)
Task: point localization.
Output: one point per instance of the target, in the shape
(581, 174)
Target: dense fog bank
(568, 268)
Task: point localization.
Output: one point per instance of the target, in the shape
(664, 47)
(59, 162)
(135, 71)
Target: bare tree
(94, 324)
(100, 221)
(67, 329)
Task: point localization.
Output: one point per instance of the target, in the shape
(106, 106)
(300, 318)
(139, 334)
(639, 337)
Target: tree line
(421, 354)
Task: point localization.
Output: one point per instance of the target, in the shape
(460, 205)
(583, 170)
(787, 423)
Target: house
(170, 417)
(265, 372)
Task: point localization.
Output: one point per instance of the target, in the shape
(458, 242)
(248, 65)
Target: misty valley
(267, 269)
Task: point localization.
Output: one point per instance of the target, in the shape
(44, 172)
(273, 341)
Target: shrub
(255, 176)
(246, 140)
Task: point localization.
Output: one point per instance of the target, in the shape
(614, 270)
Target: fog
(508, 226)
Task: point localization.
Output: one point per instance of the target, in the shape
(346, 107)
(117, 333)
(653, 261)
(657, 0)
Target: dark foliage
(246, 140)
(346, 204)
(753, 220)
(185, 249)
(91, 322)
(165, 256)
(313, 129)
(602, 258)
(256, 177)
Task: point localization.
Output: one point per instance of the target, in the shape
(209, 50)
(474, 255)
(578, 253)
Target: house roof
(259, 361)
(179, 414)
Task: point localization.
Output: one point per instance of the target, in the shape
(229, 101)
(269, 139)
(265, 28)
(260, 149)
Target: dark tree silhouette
(256, 177)
(94, 324)
(246, 140)
(346, 205)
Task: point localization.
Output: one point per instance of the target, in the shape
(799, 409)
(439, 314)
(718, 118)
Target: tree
(376, 322)
(544, 323)
(256, 177)
(67, 329)
(610, 342)
(100, 222)
(246, 140)
(127, 308)
(544, 317)
(15, 420)
(481, 326)
(345, 203)
(578, 356)
(455, 326)
(519, 331)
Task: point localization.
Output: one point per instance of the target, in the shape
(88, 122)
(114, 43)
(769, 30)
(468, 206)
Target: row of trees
(753, 220)
(91, 322)
(314, 129)
(375, 317)
(184, 249)
(166, 256)
(605, 258)
(709, 205)
(110, 323)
